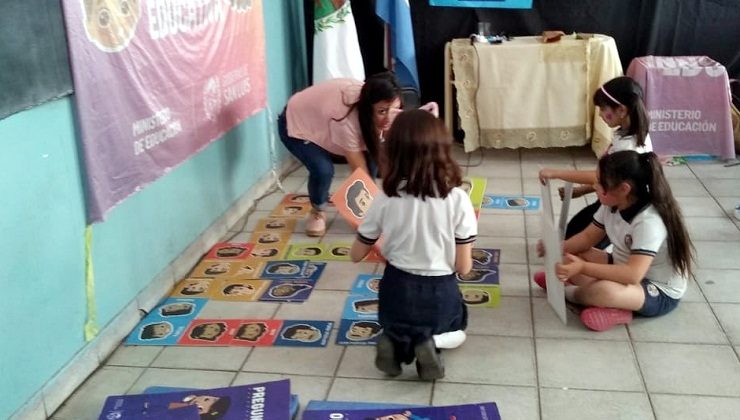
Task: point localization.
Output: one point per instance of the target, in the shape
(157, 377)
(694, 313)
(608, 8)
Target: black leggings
(581, 220)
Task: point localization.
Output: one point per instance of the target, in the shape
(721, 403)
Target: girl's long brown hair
(645, 175)
(417, 157)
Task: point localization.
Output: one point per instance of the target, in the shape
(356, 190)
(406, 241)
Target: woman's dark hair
(378, 87)
(645, 176)
(626, 92)
(417, 157)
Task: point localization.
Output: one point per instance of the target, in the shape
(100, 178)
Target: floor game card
(366, 285)
(166, 322)
(358, 332)
(304, 333)
(229, 251)
(276, 224)
(238, 290)
(256, 332)
(481, 295)
(487, 275)
(353, 198)
(192, 287)
(215, 268)
(291, 210)
(507, 202)
(284, 269)
(486, 257)
(232, 403)
(482, 411)
(270, 238)
(269, 252)
(288, 290)
(308, 251)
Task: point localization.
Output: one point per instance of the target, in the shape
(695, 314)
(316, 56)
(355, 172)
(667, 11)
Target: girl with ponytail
(652, 259)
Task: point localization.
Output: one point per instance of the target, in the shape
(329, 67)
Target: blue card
(304, 333)
(358, 332)
(284, 269)
(361, 307)
(288, 290)
(366, 285)
(166, 322)
(510, 202)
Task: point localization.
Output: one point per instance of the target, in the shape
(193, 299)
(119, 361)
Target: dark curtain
(639, 27)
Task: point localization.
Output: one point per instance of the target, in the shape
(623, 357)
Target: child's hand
(431, 107)
(540, 248)
(546, 174)
(572, 266)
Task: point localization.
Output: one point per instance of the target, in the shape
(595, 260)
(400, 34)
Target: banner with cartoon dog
(156, 81)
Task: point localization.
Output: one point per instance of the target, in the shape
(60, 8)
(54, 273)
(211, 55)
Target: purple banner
(156, 81)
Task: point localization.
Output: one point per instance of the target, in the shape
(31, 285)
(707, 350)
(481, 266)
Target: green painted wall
(42, 218)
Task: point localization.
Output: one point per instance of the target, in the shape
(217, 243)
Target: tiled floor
(682, 366)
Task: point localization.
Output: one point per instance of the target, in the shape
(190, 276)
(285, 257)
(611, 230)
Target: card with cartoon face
(248, 269)
(307, 251)
(338, 251)
(265, 252)
(192, 287)
(215, 269)
(361, 307)
(358, 332)
(238, 290)
(209, 332)
(366, 285)
(270, 238)
(486, 257)
(229, 251)
(507, 202)
(256, 332)
(289, 290)
(284, 269)
(291, 210)
(479, 276)
(481, 295)
(353, 198)
(276, 224)
(304, 333)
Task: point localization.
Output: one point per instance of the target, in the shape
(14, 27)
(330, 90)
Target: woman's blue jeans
(319, 162)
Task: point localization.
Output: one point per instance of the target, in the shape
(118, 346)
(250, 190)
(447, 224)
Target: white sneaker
(449, 340)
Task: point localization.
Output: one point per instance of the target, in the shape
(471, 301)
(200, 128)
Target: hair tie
(610, 96)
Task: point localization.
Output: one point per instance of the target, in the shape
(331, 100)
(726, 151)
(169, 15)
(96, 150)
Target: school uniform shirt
(628, 142)
(419, 236)
(312, 115)
(639, 230)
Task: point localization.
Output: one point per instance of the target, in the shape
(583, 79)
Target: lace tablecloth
(524, 93)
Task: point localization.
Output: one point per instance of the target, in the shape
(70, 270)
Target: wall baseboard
(60, 387)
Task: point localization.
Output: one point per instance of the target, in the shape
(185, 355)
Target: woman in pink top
(336, 120)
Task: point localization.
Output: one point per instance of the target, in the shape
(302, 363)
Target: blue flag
(397, 14)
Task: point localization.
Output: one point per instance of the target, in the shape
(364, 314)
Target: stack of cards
(480, 287)
(359, 324)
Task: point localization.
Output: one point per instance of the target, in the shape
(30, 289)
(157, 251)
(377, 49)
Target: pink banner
(156, 81)
(688, 101)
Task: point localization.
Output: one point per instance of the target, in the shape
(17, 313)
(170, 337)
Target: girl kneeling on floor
(652, 259)
(428, 227)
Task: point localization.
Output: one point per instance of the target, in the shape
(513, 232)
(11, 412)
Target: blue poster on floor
(268, 401)
(482, 411)
(499, 4)
(366, 285)
(511, 202)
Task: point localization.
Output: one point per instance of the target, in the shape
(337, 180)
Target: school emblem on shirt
(652, 290)
(628, 240)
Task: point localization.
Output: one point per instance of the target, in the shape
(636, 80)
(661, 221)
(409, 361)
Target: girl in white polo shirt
(652, 259)
(428, 227)
(621, 106)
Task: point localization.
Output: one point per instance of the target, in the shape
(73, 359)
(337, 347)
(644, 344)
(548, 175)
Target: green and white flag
(336, 51)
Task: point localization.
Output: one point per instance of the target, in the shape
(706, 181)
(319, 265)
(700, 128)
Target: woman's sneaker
(602, 319)
(316, 223)
(429, 364)
(385, 356)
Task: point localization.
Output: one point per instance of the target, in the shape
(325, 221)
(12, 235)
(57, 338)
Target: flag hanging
(397, 15)
(336, 51)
